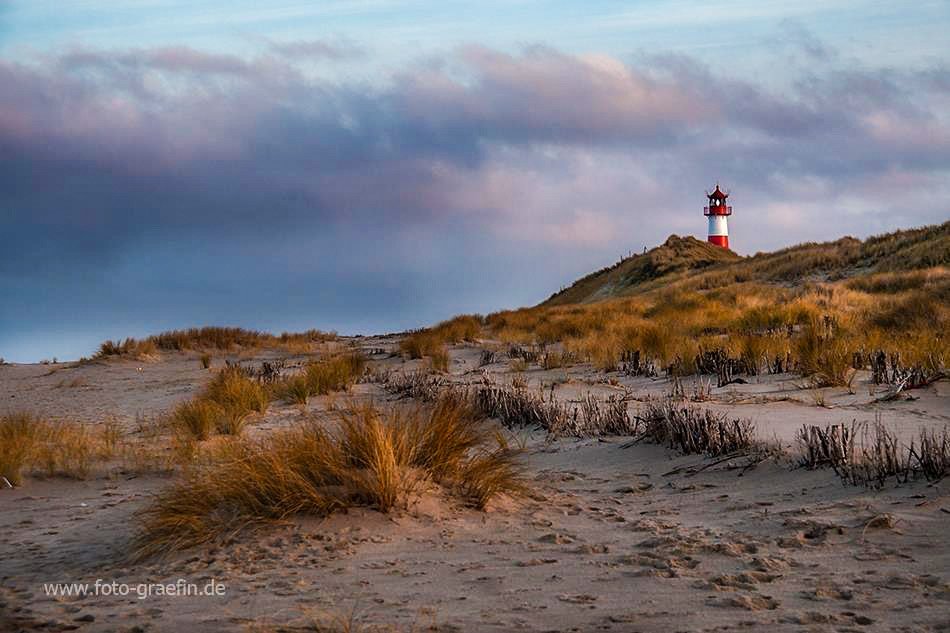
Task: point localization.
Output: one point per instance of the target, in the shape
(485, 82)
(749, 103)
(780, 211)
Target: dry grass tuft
(431, 341)
(237, 396)
(337, 373)
(223, 406)
(369, 459)
(197, 417)
(439, 360)
(19, 435)
(692, 430)
(296, 389)
(417, 385)
(40, 447)
(419, 344)
(872, 455)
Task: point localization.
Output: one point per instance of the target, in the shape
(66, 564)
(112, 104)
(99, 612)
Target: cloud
(796, 36)
(174, 59)
(319, 49)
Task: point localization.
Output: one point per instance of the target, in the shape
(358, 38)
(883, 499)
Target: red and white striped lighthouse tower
(717, 212)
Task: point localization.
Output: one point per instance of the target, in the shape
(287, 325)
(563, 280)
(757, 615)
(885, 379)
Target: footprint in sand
(534, 562)
(556, 539)
(749, 602)
(770, 564)
(632, 490)
(744, 580)
(824, 592)
(578, 599)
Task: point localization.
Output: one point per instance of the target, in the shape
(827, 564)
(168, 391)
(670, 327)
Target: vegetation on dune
(686, 307)
(871, 455)
(822, 330)
(322, 377)
(439, 360)
(211, 338)
(222, 406)
(236, 391)
(30, 444)
(707, 266)
(430, 342)
(691, 430)
(368, 459)
(676, 255)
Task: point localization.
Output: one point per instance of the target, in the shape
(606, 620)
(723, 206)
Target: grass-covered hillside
(686, 307)
(678, 255)
(681, 257)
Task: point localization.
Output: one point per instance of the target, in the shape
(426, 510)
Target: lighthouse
(717, 212)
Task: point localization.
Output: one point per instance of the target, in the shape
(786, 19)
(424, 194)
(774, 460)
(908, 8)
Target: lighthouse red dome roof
(717, 194)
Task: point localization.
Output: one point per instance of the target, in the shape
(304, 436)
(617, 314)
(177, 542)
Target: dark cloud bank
(157, 188)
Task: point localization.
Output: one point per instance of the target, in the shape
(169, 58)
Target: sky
(369, 166)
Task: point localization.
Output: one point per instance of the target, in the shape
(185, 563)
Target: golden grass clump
(19, 435)
(197, 417)
(129, 347)
(439, 360)
(222, 406)
(296, 389)
(367, 459)
(237, 396)
(657, 342)
(753, 351)
(465, 327)
(337, 373)
(32, 444)
(420, 344)
(429, 341)
(825, 356)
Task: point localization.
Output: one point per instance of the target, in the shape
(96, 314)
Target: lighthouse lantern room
(717, 212)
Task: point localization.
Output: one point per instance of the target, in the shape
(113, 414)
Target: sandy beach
(608, 536)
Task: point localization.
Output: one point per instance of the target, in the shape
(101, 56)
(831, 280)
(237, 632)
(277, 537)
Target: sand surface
(607, 540)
